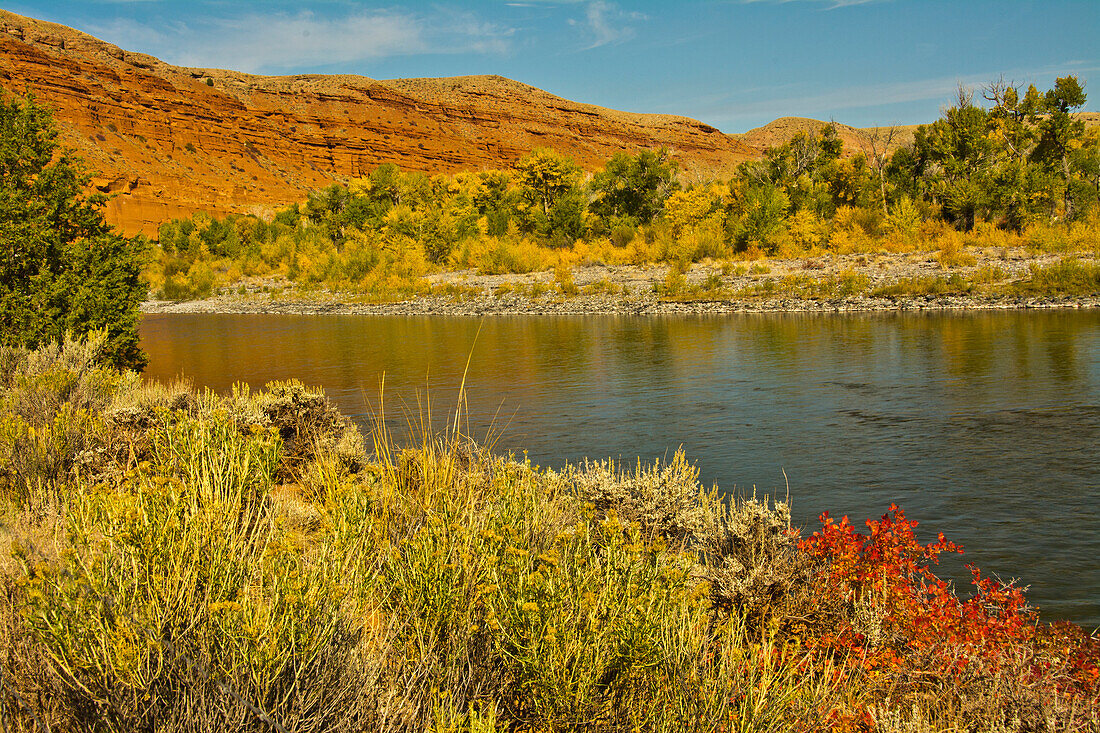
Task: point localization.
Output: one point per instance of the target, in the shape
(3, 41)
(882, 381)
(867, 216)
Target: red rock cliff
(166, 143)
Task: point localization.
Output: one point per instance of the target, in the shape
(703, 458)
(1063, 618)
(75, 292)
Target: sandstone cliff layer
(166, 141)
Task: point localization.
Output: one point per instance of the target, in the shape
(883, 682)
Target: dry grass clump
(1066, 277)
(51, 404)
(747, 550)
(308, 424)
(66, 418)
(666, 501)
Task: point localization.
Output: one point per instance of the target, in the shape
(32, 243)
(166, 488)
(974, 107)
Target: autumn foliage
(910, 631)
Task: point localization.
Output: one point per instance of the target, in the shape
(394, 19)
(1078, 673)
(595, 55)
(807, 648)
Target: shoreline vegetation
(854, 261)
(185, 561)
(996, 204)
(855, 283)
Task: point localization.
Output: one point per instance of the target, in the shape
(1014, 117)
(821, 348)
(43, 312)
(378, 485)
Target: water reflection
(982, 425)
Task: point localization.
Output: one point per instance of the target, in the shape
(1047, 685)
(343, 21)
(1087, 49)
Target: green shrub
(623, 234)
(197, 284)
(762, 215)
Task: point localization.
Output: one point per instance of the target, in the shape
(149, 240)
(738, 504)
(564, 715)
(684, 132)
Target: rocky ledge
(511, 305)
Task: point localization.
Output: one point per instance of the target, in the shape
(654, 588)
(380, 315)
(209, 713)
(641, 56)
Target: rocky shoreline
(630, 290)
(603, 305)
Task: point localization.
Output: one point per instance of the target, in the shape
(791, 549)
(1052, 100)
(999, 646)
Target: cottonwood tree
(546, 176)
(1011, 163)
(634, 187)
(550, 185)
(1086, 163)
(956, 155)
(495, 200)
(1059, 130)
(876, 146)
(1013, 115)
(807, 168)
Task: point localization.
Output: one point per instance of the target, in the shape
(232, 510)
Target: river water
(983, 425)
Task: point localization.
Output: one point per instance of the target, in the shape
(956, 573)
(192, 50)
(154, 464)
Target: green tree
(546, 176)
(1086, 165)
(634, 187)
(802, 168)
(1011, 163)
(385, 184)
(1059, 131)
(495, 200)
(550, 184)
(62, 268)
(1011, 120)
(759, 213)
(1016, 189)
(802, 155)
(956, 156)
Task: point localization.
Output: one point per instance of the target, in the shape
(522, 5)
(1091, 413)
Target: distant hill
(167, 141)
(171, 140)
(855, 139)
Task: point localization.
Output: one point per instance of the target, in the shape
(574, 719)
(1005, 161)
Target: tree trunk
(1068, 194)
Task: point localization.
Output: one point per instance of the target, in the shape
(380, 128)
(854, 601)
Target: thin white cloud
(865, 95)
(134, 36)
(606, 23)
(281, 42)
(832, 4)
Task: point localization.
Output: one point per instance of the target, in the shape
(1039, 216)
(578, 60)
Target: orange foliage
(908, 625)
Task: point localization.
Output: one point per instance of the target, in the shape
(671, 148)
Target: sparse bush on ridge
(195, 562)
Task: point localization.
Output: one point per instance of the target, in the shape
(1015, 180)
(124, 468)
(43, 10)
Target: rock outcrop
(166, 141)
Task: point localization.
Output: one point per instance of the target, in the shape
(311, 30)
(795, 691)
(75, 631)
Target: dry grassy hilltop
(172, 140)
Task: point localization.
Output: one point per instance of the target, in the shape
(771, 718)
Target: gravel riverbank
(629, 290)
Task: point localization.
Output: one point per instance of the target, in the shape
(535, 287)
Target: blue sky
(734, 64)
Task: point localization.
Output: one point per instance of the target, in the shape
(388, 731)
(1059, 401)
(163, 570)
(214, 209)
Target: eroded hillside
(168, 141)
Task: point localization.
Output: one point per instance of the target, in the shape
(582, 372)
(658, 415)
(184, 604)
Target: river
(983, 425)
